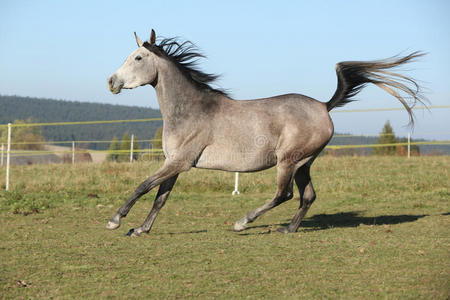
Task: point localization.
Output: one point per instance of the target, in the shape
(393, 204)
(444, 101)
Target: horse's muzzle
(115, 85)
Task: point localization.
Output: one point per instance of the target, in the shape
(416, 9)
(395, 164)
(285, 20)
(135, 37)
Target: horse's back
(289, 111)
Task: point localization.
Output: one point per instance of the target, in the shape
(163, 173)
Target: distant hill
(49, 110)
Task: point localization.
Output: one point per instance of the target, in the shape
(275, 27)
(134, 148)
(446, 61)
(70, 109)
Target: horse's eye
(138, 58)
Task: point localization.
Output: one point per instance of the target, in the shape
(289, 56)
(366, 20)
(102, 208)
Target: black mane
(185, 56)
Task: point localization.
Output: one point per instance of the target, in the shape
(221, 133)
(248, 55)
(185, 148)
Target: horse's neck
(178, 98)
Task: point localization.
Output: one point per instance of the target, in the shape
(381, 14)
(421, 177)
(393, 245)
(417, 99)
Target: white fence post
(131, 148)
(73, 152)
(236, 183)
(409, 144)
(150, 147)
(1, 161)
(8, 150)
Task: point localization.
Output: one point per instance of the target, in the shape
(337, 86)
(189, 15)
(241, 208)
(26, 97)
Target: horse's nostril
(112, 80)
(115, 84)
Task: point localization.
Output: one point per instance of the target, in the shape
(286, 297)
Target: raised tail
(354, 75)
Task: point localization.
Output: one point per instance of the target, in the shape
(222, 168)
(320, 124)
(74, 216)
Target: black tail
(354, 75)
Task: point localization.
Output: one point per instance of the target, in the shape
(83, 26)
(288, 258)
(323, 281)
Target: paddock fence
(73, 152)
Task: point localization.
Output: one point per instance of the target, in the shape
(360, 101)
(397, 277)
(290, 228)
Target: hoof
(134, 232)
(283, 230)
(239, 227)
(112, 225)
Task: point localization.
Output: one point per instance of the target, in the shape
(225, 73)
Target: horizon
(339, 110)
(275, 49)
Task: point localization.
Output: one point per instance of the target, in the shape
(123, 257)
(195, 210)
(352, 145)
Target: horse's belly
(236, 160)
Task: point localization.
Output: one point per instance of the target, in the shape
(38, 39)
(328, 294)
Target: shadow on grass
(347, 219)
(353, 219)
(185, 232)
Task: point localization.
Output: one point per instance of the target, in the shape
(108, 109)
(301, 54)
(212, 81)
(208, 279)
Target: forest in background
(48, 110)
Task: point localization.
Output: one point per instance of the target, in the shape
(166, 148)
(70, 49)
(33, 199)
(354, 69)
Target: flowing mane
(185, 56)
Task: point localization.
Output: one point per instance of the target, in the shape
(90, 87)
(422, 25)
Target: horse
(203, 127)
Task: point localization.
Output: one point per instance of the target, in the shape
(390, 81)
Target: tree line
(38, 110)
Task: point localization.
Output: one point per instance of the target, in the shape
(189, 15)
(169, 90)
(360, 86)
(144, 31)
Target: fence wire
(150, 152)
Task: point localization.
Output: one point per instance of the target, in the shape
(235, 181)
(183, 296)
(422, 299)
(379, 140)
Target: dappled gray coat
(204, 128)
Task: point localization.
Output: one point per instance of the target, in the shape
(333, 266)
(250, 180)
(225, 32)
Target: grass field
(378, 229)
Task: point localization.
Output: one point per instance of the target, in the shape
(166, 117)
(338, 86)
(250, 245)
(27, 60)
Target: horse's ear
(152, 39)
(138, 41)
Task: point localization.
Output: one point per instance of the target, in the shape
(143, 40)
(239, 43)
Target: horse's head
(138, 69)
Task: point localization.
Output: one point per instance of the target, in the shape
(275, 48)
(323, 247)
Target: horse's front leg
(160, 200)
(168, 170)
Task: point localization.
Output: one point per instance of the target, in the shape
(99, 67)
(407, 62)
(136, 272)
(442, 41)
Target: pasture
(378, 229)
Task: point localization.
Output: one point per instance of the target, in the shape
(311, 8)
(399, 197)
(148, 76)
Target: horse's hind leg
(307, 197)
(284, 192)
(163, 193)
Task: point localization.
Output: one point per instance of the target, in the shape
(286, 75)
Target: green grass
(378, 229)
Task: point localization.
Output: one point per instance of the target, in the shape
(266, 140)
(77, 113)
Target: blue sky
(67, 49)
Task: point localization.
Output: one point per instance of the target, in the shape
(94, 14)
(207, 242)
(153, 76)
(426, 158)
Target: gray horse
(205, 128)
